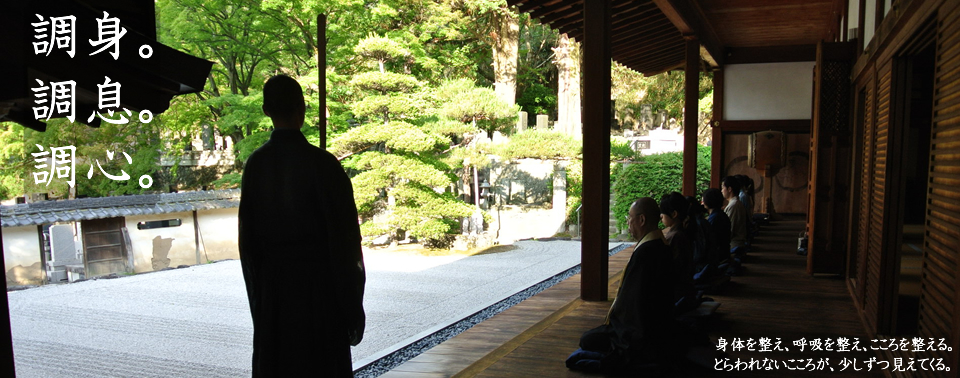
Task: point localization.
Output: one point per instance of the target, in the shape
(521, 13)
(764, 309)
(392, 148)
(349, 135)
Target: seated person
(746, 194)
(747, 199)
(719, 233)
(678, 234)
(638, 328)
(730, 188)
(703, 249)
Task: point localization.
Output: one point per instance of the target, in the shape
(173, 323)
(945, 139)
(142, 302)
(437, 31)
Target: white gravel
(195, 322)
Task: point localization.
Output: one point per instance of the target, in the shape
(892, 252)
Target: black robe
(642, 312)
(301, 258)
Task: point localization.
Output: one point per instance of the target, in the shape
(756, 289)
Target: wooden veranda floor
(773, 298)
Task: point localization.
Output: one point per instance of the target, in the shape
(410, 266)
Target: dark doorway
(103, 247)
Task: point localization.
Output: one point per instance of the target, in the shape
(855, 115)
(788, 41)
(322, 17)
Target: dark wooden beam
(523, 6)
(688, 17)
(596, 150)
(628, 6)
(7, 368)
(560, 14)
(632, 13)
(654, 29)
(716, 138)
(691, 114)
(624, 20)
(661, 58)
(650, 46)
(651, 71)
(543, 11)
(575, 20)
(575, 33)
(636, 20)
(771, 54)
(790, 126)
(653, 68)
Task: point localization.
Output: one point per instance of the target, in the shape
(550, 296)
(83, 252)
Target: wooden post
(322, 79)
(196, 236)
(691, 123)
(716, 148)
(596, 150)
(7, 368)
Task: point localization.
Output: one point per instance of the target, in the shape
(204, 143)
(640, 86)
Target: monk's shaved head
(644, 217)
(647, 207)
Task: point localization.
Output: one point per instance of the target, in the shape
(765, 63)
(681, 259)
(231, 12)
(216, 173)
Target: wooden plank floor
(774, 298)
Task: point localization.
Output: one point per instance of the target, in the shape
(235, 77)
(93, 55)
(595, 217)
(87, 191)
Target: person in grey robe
(299, 249)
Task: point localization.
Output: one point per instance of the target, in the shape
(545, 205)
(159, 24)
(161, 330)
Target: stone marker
(543, 121)
(522, 121)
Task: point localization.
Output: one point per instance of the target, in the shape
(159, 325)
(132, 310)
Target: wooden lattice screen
(941, 278)
(871, 209)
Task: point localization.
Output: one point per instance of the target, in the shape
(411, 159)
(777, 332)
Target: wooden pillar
(322, 79)
(691, 99)
(7, 368)
(716, 138)
(596, 150)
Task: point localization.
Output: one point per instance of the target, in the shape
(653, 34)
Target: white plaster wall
(768, 91)
(869, 21)
(218, 234)
(182, 248)
(21, 255)
(853, 18)
(525, 181)
(662, 140)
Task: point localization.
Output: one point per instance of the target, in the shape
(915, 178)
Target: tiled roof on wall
(47, 212)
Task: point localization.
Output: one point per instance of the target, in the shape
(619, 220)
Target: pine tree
(403, 188)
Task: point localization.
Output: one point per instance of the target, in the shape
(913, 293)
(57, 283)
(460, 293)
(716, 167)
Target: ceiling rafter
(689, 18)
(636, 20)
(651, 57)
(561, 14)
(646, 48)
(662, 28)
(572, 20)
(543, 11)
(646, 65)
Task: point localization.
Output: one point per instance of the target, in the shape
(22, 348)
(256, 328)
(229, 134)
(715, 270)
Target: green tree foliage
(574, 189)
(655, 176)
(13, 160)
(538, 99)
(540, 144)
(99, 151)
(476, 105)
(663, 91)
(620, 149)
(402, 184)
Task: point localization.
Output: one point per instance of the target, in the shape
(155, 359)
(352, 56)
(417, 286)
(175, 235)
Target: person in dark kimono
(299, 249)
(638, 329)
(719, 224)
(679, 235)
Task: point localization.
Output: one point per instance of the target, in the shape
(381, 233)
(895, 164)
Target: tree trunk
(567, 59)
(506, 49)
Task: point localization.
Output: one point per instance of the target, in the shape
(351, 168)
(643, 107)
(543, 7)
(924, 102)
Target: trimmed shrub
(540, 144)
(654, 176)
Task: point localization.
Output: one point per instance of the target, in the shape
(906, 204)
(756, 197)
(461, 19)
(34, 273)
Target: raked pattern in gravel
(195, 322)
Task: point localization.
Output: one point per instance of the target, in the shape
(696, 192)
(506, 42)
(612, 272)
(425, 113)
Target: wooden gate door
(830, 159)
(103, 247)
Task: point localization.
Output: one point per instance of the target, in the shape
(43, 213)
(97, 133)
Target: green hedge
(540, 144)
(654, 176)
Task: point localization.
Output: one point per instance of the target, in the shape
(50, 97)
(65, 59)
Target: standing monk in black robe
(299, 249)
